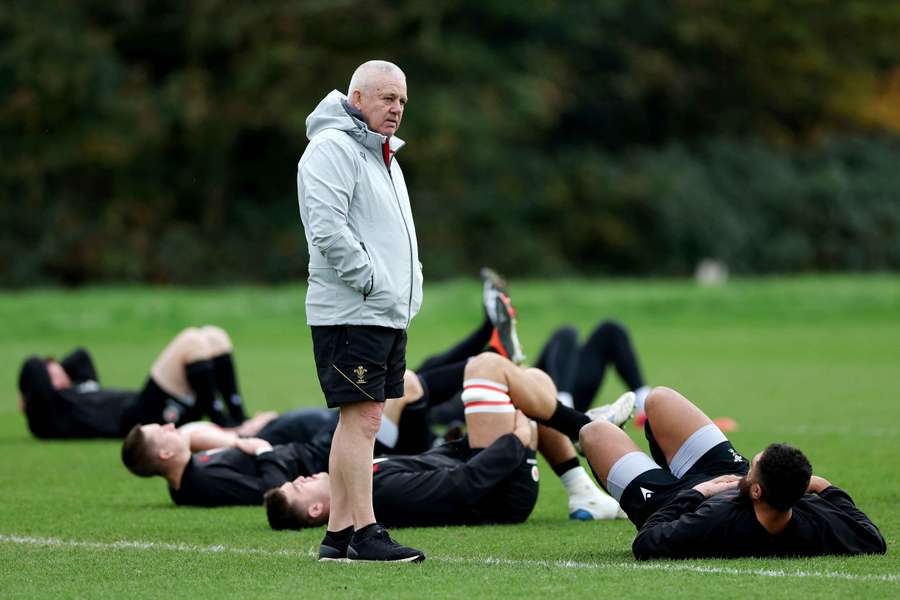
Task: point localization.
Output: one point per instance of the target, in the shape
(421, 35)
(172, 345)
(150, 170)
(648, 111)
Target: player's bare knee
(217, 338)
(657, 398)
(487, 365)
(592, 434)
(369, 418)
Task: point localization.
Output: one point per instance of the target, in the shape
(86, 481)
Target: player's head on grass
(303, 502)
(151, 449)
(779, 476)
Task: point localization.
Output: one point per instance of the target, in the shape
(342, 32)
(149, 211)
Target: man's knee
(543, 381)
(217, 338)
(592, 435)
(486, 363)
(191, 338)
(364, 417)
(657, 399)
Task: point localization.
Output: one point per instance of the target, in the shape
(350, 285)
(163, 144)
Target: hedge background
(157, 141)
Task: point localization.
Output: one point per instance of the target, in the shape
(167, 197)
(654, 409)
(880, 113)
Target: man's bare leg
(218, 339)
(604, 444)
(532, 391)
(351, 458)
(673, 419)
(168, 370)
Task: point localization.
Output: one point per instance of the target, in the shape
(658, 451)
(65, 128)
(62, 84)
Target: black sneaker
(493, 286)
(334, 545)
(504, 339)
(373, 543)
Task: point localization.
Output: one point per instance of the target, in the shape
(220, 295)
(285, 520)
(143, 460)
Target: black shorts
(652, 490)
(357, 363)
(154, 405)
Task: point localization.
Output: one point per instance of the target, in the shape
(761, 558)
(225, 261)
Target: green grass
(811, 361)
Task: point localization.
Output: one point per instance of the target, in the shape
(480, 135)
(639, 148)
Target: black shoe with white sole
(334, 545)
(373, 543)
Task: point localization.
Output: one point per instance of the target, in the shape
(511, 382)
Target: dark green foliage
(157, 140)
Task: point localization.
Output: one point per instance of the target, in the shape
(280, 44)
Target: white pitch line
(559, 564)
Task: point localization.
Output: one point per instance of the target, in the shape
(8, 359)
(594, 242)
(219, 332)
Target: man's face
(59, 379)
(382, 103)
(165, 438)
(308, 490)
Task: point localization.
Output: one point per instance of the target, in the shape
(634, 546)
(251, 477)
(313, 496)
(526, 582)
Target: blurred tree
(153, 140)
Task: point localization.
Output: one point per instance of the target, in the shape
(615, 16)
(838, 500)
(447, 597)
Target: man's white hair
(366, 72)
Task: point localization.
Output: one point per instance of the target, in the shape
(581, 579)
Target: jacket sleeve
(673, 530)
(874, 541)
(79, 366)
(328, 178)
(465, 484)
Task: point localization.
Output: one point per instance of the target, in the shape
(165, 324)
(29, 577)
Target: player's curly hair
(284, 515)
(783, 472)
(137, 455)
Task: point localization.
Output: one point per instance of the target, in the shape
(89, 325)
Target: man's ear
(356, 98)
(315, 510)
(165, 454)
(755, 491)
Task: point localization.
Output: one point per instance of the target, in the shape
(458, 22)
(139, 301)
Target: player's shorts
(358, 363)
(642, 487)
(514, 499)
(155, 405)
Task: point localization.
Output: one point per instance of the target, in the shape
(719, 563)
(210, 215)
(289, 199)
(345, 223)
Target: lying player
(64, 399)
(484, 478)
(708, 501)
(232, 470)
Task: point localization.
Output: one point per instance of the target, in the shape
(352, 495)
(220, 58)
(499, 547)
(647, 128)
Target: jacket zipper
(412, 276)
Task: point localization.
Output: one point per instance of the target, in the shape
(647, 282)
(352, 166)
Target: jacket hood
(335, 112)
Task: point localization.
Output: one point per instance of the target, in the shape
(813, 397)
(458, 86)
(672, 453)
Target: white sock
(388, 432)
(565, 398)
(641, 394)
(576, 481)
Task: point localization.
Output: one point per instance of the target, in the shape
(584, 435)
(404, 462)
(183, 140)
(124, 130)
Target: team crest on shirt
(737, 457)
(360, 372)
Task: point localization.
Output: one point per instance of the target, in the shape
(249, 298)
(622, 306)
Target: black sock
(343, 534)
(362, 532)
(567, 421)
(442, 383)
(226, 382)
(202, 381)
(566, 466)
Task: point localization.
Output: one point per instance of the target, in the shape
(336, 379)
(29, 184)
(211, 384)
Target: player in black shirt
(232, 470)
(488, 477)
(64, 399)
(709, 501)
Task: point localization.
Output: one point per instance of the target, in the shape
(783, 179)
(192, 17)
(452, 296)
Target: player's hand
(252, 445)
(720, 484)
(525, 429)
(817, 485)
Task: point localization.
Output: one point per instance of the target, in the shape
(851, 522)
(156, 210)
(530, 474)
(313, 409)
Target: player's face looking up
(307, 490)
(164, 438)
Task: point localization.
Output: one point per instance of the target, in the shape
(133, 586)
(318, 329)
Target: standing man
(365, 285)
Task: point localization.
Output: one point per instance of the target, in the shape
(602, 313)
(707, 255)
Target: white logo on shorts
(647, 494)
(737, 457)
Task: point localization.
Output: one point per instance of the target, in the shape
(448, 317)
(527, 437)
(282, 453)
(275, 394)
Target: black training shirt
(453, 484)
(725, 525)
(228, 476)
(83, 410)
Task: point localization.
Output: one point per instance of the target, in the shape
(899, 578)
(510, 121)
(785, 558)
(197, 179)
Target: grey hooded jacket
(363, 256)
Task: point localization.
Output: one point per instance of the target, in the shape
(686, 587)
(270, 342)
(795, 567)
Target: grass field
(811, 361)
